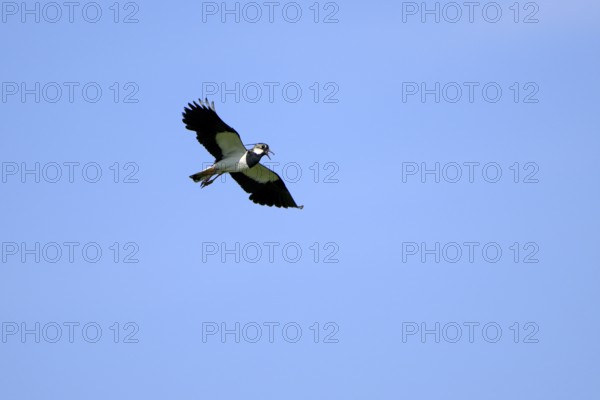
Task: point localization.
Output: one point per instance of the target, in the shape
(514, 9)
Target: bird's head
(261, 149)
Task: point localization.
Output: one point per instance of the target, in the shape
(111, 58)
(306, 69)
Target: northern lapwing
(231, 156)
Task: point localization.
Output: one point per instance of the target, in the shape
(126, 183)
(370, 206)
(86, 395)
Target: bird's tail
(207, 173)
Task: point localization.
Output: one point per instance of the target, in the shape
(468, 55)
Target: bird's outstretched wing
(220, 139)
(265, 187)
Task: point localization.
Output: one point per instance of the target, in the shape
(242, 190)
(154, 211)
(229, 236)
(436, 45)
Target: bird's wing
(220, 139)
(265, 187)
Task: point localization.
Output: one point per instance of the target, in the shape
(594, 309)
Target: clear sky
(445, 154)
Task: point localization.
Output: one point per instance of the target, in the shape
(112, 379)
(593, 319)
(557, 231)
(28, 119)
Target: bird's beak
(267, 153)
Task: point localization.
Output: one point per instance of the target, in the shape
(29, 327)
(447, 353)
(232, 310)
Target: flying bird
(231, 156)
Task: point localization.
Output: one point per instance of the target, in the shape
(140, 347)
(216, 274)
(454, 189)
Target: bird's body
(231, 156)
(237, 162)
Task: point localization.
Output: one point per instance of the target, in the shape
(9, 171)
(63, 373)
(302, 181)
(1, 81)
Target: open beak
(267, 153)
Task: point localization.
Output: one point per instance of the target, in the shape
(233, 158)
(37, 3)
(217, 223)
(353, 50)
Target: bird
(231, 156)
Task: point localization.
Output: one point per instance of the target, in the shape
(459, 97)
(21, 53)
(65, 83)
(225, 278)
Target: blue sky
(446, 247)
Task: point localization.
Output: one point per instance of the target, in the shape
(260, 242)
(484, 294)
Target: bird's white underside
(234, 159)
(235, 163)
